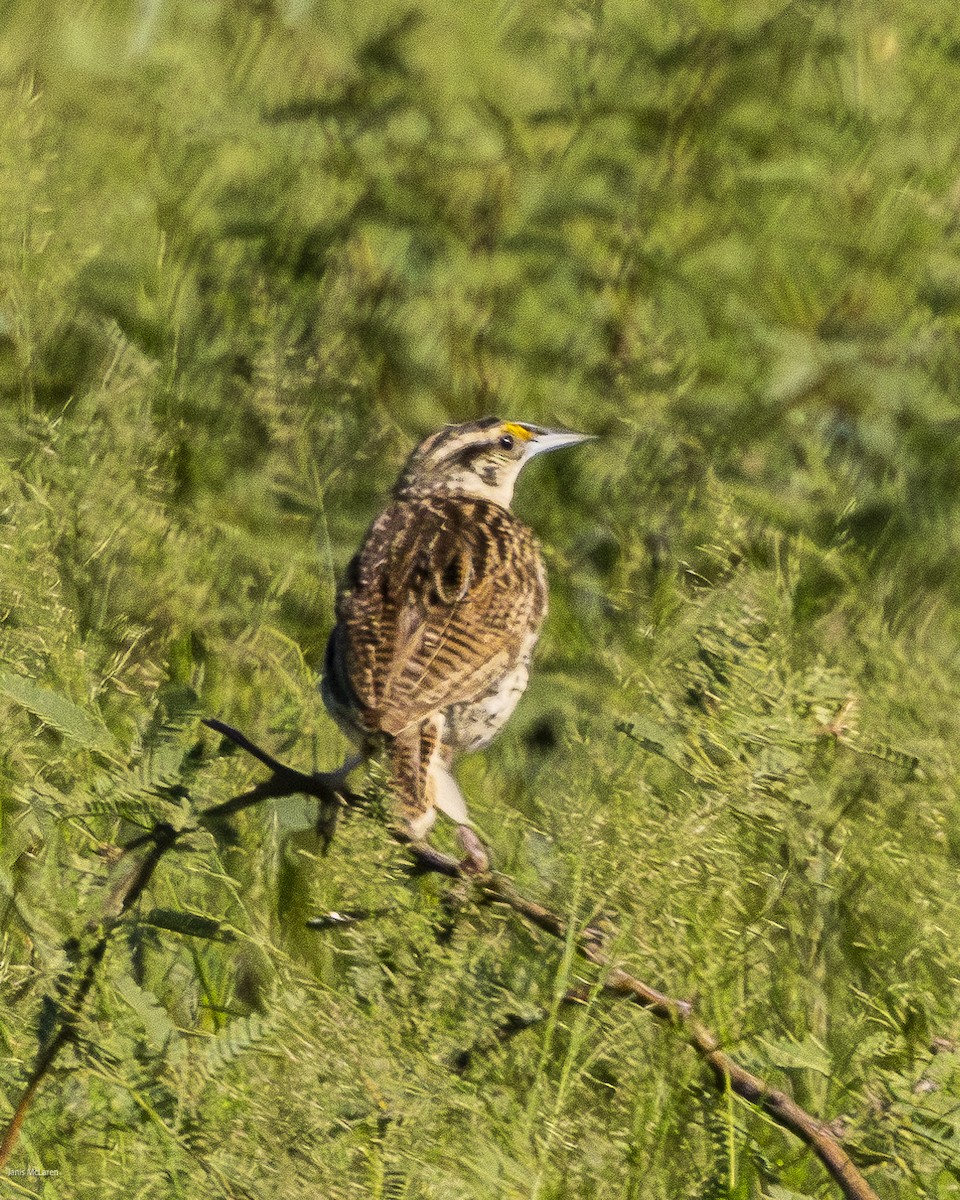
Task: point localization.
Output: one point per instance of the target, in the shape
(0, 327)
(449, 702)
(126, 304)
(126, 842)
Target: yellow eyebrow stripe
(518, 431)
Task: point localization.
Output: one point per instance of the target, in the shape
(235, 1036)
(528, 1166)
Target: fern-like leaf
(58, 712)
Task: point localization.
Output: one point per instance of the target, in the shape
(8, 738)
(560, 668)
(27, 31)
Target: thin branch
(118, 902)
(514, 1024)
(329, 790)
(283, 781)
(780, 1107)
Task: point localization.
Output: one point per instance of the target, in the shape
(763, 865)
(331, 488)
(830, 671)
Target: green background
(249, 254)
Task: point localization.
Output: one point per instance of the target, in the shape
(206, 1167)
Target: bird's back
(445, 597)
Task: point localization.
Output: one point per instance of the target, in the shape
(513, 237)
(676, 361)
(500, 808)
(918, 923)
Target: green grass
(249, 253)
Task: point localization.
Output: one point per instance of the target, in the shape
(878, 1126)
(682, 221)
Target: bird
(437, 616)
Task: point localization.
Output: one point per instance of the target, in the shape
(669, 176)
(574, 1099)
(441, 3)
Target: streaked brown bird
(438, 614)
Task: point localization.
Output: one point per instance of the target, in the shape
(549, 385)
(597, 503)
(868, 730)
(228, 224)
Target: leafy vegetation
(249, 253)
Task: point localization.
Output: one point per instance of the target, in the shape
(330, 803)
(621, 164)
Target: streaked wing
(437, 606)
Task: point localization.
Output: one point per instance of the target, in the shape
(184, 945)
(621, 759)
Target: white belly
(470, 726)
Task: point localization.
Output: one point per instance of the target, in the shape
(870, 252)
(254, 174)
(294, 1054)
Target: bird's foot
(477, 861)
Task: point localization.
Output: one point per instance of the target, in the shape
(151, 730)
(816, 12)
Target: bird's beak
(555, 439)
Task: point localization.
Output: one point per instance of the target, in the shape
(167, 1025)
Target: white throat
(499, 490)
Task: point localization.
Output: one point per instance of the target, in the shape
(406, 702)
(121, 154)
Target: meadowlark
(438, 613)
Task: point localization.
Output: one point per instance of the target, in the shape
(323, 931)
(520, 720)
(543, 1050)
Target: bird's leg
(477, 861)
(449, 800)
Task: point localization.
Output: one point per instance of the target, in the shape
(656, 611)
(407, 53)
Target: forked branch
(780, 1107)
(328, 789)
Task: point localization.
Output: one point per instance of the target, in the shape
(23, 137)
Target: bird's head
(481, 458)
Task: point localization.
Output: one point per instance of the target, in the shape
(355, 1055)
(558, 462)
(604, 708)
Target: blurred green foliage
(249, 253)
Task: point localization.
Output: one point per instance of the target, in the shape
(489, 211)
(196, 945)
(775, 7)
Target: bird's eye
(506, 441)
